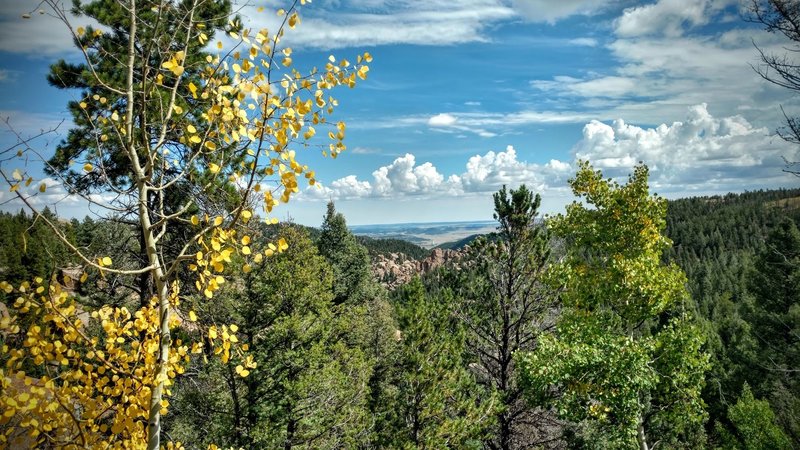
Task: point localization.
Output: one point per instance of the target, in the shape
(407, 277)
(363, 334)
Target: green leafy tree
(626, 355)
(504, 307)
(753, 422)
(754, 425)
(436, 402)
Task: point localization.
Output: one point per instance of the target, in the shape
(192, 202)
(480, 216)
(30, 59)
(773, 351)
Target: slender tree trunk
(154, 419)
(145, 278)
(641, 438)
(291, 428)
(237, 406)
(157, 272)
(251, 399)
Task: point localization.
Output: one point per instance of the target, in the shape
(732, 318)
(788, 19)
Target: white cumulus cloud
(442, 120)
(702, 152)
(349, 186)
(667, 17)
(484, 172)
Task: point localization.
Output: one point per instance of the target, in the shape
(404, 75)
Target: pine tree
(309, 386)
(436, 402)
(347, 258)
(504, 306)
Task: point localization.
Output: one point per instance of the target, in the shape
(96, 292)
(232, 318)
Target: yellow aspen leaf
(282, 245)
(245, 250)
(106, 261)
(246, 268)
(218, 221)
(17, 175)
(177, 109)
(234, 328)
(287, 62)
(208, 293)
(192, 316)
(80, 31)
(210, 145)
(42, 187)
(28, 181)
(191, 129)
(246, 240)
(195, 139)
(88, 167)
(213, 168)
(83, 105)
(195, 221)
(193, 90)
(293, 19)
(246, 215)
(362, 72)
(114, 116)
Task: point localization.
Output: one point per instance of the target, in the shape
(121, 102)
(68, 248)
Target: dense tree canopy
(626, 355)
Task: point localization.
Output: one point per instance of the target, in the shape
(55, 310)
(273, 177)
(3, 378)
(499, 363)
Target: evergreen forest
(477, 353)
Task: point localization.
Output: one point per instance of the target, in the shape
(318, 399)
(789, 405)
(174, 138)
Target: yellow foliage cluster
(70, 378)
(73, 378)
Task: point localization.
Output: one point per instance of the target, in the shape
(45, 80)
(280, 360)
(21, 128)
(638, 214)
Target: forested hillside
(739, 252)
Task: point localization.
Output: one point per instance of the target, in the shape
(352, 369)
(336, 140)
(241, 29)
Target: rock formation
(395, 269)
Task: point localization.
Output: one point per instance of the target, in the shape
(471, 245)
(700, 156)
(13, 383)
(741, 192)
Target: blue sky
(464, 96)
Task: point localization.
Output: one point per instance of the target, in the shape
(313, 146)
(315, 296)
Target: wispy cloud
(365, 23)
(550, 11)
(485, 124)
(660, 66)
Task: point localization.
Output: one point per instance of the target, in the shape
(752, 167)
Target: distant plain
(428, 235)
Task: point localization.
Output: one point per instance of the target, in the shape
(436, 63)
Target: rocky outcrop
(395, 269)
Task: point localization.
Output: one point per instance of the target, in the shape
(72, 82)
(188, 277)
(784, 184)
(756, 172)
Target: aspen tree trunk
(641, 438)
(141, 177)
